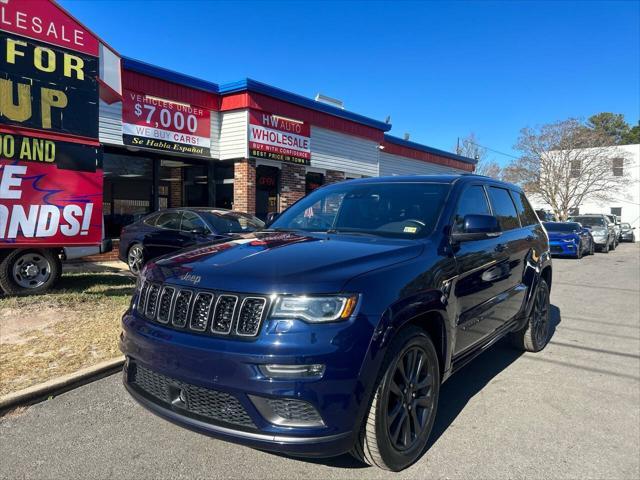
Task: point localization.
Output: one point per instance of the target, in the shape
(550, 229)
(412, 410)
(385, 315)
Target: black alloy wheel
(536, 333)
(395, 432)
(409, 400)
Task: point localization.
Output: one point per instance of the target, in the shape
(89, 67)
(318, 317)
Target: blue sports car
(570, 239)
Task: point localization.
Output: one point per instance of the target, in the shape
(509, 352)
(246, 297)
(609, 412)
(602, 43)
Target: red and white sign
(45, 21)
(161, 124)
(42, 205)
(279, 138)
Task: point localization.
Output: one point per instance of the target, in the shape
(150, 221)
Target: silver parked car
(602, 230)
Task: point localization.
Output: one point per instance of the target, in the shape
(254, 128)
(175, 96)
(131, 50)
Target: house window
(618, 167)
(576, 165)
(617, 211)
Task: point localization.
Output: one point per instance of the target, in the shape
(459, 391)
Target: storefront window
(224, 173)
(313, 180)
(128, 190)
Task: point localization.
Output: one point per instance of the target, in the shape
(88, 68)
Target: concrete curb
(37, 393)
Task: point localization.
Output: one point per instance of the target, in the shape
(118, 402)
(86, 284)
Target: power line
(493, 150)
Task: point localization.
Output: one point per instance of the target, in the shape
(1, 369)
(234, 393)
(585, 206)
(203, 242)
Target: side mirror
(477, 227)
(271, 217)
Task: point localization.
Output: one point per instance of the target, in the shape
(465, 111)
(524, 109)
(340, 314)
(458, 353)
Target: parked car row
(584, 234)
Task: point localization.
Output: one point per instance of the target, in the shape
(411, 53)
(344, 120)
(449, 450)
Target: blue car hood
(558, 236)
(281, 262)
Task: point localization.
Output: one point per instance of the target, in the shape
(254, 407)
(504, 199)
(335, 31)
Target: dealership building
(171, 140)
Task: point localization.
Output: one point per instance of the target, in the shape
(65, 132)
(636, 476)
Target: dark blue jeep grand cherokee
(332, 330)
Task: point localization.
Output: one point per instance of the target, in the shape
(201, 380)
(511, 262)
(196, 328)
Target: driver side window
(473, 201)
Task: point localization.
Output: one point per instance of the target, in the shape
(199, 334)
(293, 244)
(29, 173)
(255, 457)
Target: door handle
(501, 247)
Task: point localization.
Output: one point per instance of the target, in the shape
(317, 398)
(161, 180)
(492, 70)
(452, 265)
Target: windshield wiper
(350, 232)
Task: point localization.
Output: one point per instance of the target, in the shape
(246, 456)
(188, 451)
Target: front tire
(605, 249)
(29, 272)
(579, 251)
(396, 429)
(536, 333)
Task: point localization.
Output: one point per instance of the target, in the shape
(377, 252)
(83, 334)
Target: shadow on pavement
(455, 392)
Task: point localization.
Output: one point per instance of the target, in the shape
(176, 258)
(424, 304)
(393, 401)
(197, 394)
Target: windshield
(233, 222)
(590, 221)
(561, 227)
(405, 210)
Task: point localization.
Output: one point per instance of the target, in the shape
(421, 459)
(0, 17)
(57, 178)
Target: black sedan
(626, 233)
(167, 231)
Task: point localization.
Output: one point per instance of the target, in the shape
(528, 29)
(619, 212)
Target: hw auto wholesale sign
(50, 172)
(279, 138)
(162, 124)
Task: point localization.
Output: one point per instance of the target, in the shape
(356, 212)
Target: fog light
(292, 371)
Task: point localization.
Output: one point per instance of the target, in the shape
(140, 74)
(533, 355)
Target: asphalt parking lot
(572, 411)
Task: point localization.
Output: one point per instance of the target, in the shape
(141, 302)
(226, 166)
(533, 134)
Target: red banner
(45, 21)
(279, 138)
(50, 193)
(161, 124)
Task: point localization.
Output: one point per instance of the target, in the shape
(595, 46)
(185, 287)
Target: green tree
(632, 137)
(612, 125)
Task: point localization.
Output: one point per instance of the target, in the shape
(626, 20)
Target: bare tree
(563, 164)
(468, 147)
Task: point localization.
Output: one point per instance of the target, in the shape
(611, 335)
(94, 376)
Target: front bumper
(563, 248)
(229, 366)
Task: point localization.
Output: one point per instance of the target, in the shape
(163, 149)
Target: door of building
(267, 190)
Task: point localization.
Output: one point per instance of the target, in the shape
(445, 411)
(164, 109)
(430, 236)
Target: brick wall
(292, 184)
(333, 176)
(244, 187)
(105, 257)
(175, 188)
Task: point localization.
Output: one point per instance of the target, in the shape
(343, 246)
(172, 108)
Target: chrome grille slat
(200, 312)
(223, 314)
(151, 305)
(250, 316)
(142, 299)
(181, 308)
(165, 304)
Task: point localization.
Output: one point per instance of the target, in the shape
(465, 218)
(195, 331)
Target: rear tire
(536, 333)
(29, 272)
(135, 258)
(395, 431)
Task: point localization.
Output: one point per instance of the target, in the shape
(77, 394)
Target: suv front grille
(188, 398)
(202, 311)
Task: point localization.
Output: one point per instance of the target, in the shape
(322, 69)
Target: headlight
(599, 233)
(315, 309)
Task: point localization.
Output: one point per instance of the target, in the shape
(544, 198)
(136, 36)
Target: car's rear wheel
(396, 429)
(536, 333)
(135, 258)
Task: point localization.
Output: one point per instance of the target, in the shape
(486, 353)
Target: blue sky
(440, 69)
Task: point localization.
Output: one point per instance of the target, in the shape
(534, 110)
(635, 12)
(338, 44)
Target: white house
(626, 204)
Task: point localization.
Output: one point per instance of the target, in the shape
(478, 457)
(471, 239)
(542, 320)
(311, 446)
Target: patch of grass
(82, 318)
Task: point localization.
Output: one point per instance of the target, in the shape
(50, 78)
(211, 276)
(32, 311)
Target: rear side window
(473, 201)
(191, 222)
(503, 208)
(169, 220)
(526, 213)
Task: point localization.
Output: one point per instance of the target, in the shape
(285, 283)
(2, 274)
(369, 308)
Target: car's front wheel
(396, 429)
(135, 258)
